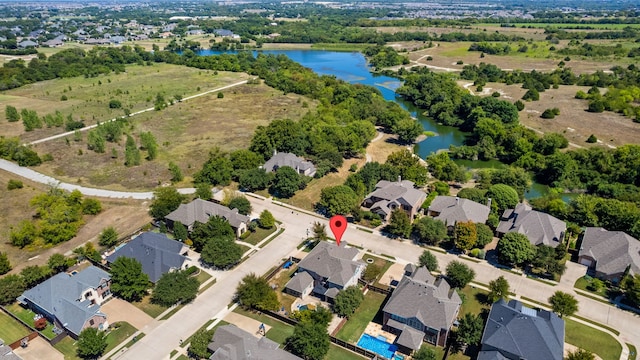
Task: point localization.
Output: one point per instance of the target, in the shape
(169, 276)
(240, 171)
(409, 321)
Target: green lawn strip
(473, 300)
(153, 310)
(258, 235)
(440, 353)
(203, 276)
(541, 280)
(365, 230)
(339, 47)
(594, 297)
(279, 331)
(27, 316)
(67, 347)
(11, 329)
(337, 352)
(583, 284)
(116, 336)
(173, 353)
(183, 357)
(272, 238)
(173, 311)
(204, 288)
(632, 352)
(597, 324)
(354, 327)
(436, 249)
(594, 340)
(132, 341)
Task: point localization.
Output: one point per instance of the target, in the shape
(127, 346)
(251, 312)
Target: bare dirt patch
(185, 133)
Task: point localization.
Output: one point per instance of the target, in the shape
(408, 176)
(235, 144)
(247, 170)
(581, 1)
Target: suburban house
(389, 196)
(6, 353)
(201, 210)
(232, 343)
(156, 252)
(514, 331)
(610, 254)
(71, 301)
(300, 165)
(421, 308)
(326, 270)
(27, 44)
(540, 228)
(451, 209)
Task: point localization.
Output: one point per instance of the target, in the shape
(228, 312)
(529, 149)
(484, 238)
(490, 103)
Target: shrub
(14, 184)
(548, 114)
(40, 324)
(63, 98)
(592, 139)
(495, 94)
(459, 62)
(220, 95)
(477, 253)
(429, 58)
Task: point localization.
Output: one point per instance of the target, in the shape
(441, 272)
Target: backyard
(381, 264)
(366, 313)
(10, 329)
(28, 317)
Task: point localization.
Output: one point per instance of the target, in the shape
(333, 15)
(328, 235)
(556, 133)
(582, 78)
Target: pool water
(398, 357)
(303, 308)
(378, 346)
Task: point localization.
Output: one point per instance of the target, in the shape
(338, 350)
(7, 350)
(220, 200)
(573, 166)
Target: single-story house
(232, 343)
(540, 228)
(514, 331)
(326, 270)
(201, 210)
(223, 32)
(6, 353)
(390, 195)
(451, 209)
(610, 254)
(27, 44)
(421, 308)
(53, 43)
(300, 165)
(71, 301)
(156, 252)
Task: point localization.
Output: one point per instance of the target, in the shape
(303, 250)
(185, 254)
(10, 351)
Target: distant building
(540, 228)
(610, 254)
(293, 161)
(389, 195)
(452, 209)
(27, 44)
(232, 343)
(6, 353)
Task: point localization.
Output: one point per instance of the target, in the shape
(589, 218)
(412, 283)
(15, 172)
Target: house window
(87, 294)
(91, 322)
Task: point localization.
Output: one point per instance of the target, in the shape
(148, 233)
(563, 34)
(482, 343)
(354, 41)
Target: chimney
(489, 203)
(457, 200)
(275, 151)
(399, 179)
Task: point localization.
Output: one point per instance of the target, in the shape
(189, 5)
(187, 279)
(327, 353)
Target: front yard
(259, 235)
(68, 348)
(381, 264)
(366, 313)
(591, 339)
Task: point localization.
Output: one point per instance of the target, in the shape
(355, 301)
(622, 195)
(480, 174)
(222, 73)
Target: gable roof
(613, 251)
(6, 353)
(402, 192)
(332, 262)
(60, 296)
(156, 252)
(422, 296)
(519, 332)
(409, 337)
(453, 209)
(232, 343)
(299, 282)
(540, 228)
(201, 210)
(288, 159)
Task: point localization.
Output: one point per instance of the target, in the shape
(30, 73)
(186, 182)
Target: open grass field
(10, 329)
(591, 339)
(366, 313)
(185, 133)
(88, 98)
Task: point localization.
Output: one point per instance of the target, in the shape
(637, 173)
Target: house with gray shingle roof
(232, 343)
(540, 228)
(201, 210)
(391, 195)
(156, 253)
(27, 44)
(6, 353)
(421, 308)
(331, 267)
(609, 253)
(451, 209)
(300, 165)
(514, 331)
(71, 301)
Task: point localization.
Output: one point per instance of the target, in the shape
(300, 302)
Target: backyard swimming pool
(378, 346)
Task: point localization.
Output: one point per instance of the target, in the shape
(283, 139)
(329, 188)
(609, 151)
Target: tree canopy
(215, 227)
(338, 200)
(515, 248)
(469, 329)
(428, 260)
(399, 224)
(221, 253)
(498, 289)
(11, 286)
(266, 219)
(165, 200)
(5, 265)
(563, 304)
(91, 343)
(459, 274)
(429, 231)
(347, 301)
(310, 340)
(255, 292)
(108, 237)
(286, 182)
(241, 203)
(175, 287)
(127, 279)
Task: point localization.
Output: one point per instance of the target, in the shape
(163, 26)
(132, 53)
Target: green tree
(108, 237)
(33, 275)
(254, 179)
(485, 235)
(5, 265)
(11, 113)
(266, 220)
(244, 159)
(96, 141)
(286, 182)
(310, 340)
(221, 253)
(429, 231)
(215, 227)
(409, 166)
(180, 231)
(428, 260)
(175, 287)
(444, 169)
(498, 289)
(176, 173)
(203, 191)
(347, 301)
(59, 263)
(515, 248)
(131, 152)
(11, 286)
(24, 235)
(503, 196)
(563, 304)
(198, 346)
(254, 292)
(165, 200)
(424, 353)
(91, 206)
(407, 130)
(580, 354)
(148, 143)
(399, 224)
(127, 279)
(91, 343)
(217, 170)
(241, 203)
(631, 286)
(459, 274)
(465, 235)
(319, 231)
(338, 200)
(469, 329)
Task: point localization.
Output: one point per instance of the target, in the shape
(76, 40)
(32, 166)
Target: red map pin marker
(338, 225)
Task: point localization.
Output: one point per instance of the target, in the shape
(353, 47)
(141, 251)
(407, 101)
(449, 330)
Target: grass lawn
(474, 299)
(591, 339)
(280, 281)
(27, 315)
(279, 331)
(336, 352)
(440, 353)
(366, 313)
(67, 347)
(10, 329)
(153, 310)
(632, 352)
(582, 284)
(259, 235)
(203, 276)
(383, 264)
(117, 336)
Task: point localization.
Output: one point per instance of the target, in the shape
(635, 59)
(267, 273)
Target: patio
(375, 330)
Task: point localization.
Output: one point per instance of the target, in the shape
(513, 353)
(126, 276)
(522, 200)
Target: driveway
(246, 323)
(39, 349)
(120, 310)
